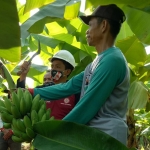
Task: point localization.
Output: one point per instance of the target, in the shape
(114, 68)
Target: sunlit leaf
(31, 4)
(49, 13)
(124, 32)
(52, 42)
(11, 54)
(34, 72)
(138, 95)
(138, 4)
(10, 31)
(72, 9)
(138, 22)
(133, 50)
(23, 17)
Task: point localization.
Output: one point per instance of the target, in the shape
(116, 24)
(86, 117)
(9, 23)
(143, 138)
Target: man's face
(93, 34)
(58, 65)
(47, 78)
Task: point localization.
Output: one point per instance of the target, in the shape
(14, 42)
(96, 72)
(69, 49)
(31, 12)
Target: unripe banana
(48, 113)
(15, 112)
(20, 134)
(30, 133)
(41, 112)
(41, 102)
(2, 103)
(16, 100)
(6, 117)
(21, 126)
(17, 139)
(6, 125)
(35, 104)
(14, 123)
(44, 106)
(27, 122)
(26, 138)
(20, 93)
(23, 107)
(3, 109)
(43, 117)
(28, 100)
(34, 117)
(16, 131)
(52, 118)
(7, 103)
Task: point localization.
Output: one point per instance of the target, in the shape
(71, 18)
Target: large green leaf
(11, 54)
(31, 4)
(133, 50)
(47, 40)
(138, 95)
(124, 32)
(138, 21)
(10, 31)
(34, 72)
(59, 135)
(138, 4)
(45, 15)
(72, 9)
(23, 17)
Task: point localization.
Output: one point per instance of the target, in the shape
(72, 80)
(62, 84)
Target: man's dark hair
(114, 26)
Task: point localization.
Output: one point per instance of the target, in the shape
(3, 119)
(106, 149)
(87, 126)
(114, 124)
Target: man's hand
(7, 133)
(25, 67)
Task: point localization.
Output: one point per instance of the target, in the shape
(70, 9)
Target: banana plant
(6, 75)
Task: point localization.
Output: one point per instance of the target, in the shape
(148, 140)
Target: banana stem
(6, 75)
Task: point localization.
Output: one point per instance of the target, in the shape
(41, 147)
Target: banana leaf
(65, 135)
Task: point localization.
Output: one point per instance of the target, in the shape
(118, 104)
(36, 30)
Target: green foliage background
(58, 26)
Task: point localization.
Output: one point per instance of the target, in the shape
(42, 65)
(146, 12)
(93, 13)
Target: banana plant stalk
(6, 75)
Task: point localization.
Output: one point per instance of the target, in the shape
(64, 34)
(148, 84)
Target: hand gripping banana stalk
(21, 112)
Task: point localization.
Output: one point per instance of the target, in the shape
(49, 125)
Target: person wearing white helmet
(62, 64)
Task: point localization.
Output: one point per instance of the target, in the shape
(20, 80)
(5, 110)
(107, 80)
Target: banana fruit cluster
(21, 112)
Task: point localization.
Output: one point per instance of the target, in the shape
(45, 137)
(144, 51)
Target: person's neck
(104, 44)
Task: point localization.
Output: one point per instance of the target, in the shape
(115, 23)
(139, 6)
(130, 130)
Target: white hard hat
(66, 56)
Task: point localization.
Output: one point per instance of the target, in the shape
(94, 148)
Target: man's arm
(61, 90)
(106, 77)
(25, 69)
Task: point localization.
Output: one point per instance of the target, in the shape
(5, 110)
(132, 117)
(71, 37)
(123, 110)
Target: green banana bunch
(21, 112)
